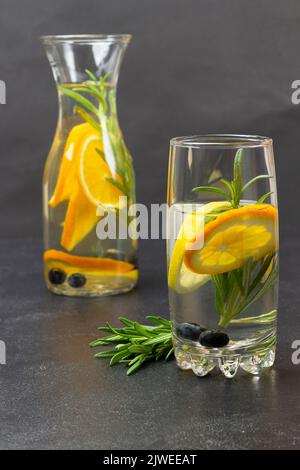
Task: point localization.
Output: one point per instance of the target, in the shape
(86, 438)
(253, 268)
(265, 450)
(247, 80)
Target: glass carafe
(89, 177)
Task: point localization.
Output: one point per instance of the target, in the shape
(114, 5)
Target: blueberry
(213, 339)
(77, 280)
(189, 330)
(56, 276)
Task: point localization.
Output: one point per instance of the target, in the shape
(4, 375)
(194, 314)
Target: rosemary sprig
(264, 318)
(233, 190)
(100, 112)
(237, 290)
(134, 343)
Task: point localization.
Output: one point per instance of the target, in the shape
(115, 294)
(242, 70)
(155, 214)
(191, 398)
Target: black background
(192, 67)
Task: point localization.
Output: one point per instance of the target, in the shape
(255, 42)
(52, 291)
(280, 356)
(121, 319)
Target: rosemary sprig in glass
(100, 112)
(233, 190)
(134, 343)
(237, 290)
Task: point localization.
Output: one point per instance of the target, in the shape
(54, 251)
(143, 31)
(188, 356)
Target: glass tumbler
(222, 252)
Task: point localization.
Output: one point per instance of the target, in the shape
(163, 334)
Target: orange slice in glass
(94, 172)
(66, 177)
(89, 190)
(81, 217)
(85, 262)
(233, 237)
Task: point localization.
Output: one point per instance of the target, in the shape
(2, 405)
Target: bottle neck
(71, 56)
(86, 71)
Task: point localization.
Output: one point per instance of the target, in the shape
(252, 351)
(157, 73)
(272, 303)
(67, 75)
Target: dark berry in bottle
(56, 276)
(213, 339)
(189, 330)
(77, 280)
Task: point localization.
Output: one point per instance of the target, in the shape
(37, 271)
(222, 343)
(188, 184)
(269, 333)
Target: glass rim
(221, 140)
(85, 38)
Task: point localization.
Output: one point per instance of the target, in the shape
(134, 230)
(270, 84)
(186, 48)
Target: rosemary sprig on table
(134, 344)
(100, 112)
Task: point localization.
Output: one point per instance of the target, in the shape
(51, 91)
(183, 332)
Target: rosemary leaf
(126, 321)
(228, 185)
(169, 354)
(94, 90)
(124, 353)
(253, 180)
(238, 276)
(156, 340)
(91, 75)
(117, 184)
(237, 168)
(136, 365)
(264, 318)
(79, 98)
(159, 320)
(104, 354)
(101, 153)
(87, 117)
(212, 189)
(264, 266)
(264, 197)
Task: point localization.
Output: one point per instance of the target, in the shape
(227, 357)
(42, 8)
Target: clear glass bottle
(89, 174)
(223, 252)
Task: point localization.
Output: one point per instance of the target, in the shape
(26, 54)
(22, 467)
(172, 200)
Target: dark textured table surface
(53, 394)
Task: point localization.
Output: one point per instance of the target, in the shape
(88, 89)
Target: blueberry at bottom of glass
(189, 331)
(56, 276)
(213, 339)
(205, 337)
(77, 280)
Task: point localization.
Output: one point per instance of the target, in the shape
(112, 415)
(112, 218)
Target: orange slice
(66, 177)
(88, 263)
(81, 217)
(93, 174)
(233, 237)
(89, 190)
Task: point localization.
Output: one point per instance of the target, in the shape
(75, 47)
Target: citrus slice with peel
(81, 217)
(55, 259)
(234, 237)
(89, 190)
(67, 172)
(180, 277)
(94, 174)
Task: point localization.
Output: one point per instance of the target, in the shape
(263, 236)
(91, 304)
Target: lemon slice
(234, 237)
(180, 277)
